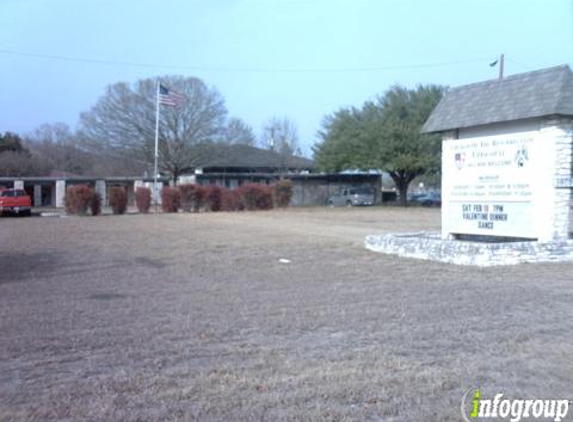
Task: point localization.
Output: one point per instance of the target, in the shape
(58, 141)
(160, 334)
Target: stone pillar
(560, 131)
(60, 193)
(446, 136)
(18, 184)
(37, 195)
(100, 188)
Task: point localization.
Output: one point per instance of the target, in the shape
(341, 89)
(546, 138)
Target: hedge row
(250, 196)
(80, 198)
(189, 197)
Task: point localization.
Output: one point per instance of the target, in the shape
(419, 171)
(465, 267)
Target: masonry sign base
(430, 246)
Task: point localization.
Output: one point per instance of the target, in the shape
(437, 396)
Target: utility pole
(501, 67)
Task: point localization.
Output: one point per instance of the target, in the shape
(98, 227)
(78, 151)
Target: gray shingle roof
(250, 158)
(544, 92)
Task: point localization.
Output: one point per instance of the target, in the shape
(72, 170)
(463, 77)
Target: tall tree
(281, 135)
(16, 160)
(384, 134)
(123, 122)
(21, 164)
(57, 147)
(238, 132)
(11, 142)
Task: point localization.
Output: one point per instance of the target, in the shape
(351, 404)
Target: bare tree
(123, 122)
(238, 132)
(21, 164)
(57, 148)
(55, 133)
(281, 136)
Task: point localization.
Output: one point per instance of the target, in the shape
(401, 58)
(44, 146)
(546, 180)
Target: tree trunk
(402, 181)
(175, 176)
(403, 192)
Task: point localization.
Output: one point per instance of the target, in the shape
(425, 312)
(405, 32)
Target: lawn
(194, 317)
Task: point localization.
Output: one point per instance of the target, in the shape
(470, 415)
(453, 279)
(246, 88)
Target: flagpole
(155, 191)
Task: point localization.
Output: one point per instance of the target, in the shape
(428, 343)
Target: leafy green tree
(384, 134)
(11, 142)
(16, 160)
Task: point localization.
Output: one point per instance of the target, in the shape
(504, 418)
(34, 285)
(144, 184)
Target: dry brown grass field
(192, 317)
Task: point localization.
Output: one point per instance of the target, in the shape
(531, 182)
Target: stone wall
(430, 246)
(561, 131)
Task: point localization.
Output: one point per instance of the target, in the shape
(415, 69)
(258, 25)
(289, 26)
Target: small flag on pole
(170, 98)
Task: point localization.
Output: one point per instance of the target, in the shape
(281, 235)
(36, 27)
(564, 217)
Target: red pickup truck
(15, 201)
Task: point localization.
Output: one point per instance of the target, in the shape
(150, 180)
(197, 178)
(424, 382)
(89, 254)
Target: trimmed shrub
(214, 196)
(118, 199)
(192, 197)
(78, 199)
(143, 199)
(256, 196)
(282, 193)
(170, 199)
(231, 200)
(95, 204)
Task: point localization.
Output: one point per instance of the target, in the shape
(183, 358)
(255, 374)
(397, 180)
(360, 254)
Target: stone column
(18, 184)
(37, 195)
(560, 131)
(60, 193)
(446, 136)
(100, 188)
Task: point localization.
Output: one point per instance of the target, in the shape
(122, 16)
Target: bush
(118, 199)
(256, 196)
(214, 197)
(143, 199)
(95, 204)
(170, 199)
(231, 200)
(192, 197)
(78, 199)
(282, 192)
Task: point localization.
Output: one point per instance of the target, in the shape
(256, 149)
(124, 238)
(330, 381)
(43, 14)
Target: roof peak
(562, 67)
(534, 94)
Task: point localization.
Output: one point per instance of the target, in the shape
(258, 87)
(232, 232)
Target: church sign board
(507, 157)
(490, 184)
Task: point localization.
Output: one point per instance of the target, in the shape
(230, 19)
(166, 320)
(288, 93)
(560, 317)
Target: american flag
(170, 98)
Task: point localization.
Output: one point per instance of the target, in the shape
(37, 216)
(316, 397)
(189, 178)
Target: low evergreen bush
(257, 196)
(192, 197)
(282, 193)
(143, 199)
(118, 199)
(170, 199)
(78, 199)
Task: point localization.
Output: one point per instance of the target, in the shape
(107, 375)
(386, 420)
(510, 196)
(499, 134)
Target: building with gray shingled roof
(541, 93)
(507, 157)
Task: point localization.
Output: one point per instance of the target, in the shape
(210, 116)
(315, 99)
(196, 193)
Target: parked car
(432, 199)
(352, 197)
(413, 197)
(15, 201)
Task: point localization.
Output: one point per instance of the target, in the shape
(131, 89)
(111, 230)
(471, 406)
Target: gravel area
(265, 316)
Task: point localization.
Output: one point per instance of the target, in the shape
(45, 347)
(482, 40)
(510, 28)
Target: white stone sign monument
(507, 157)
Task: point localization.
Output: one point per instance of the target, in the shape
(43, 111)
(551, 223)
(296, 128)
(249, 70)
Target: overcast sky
(297, 58)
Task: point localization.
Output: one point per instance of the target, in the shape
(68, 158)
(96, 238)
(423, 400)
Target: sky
(300, 59)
